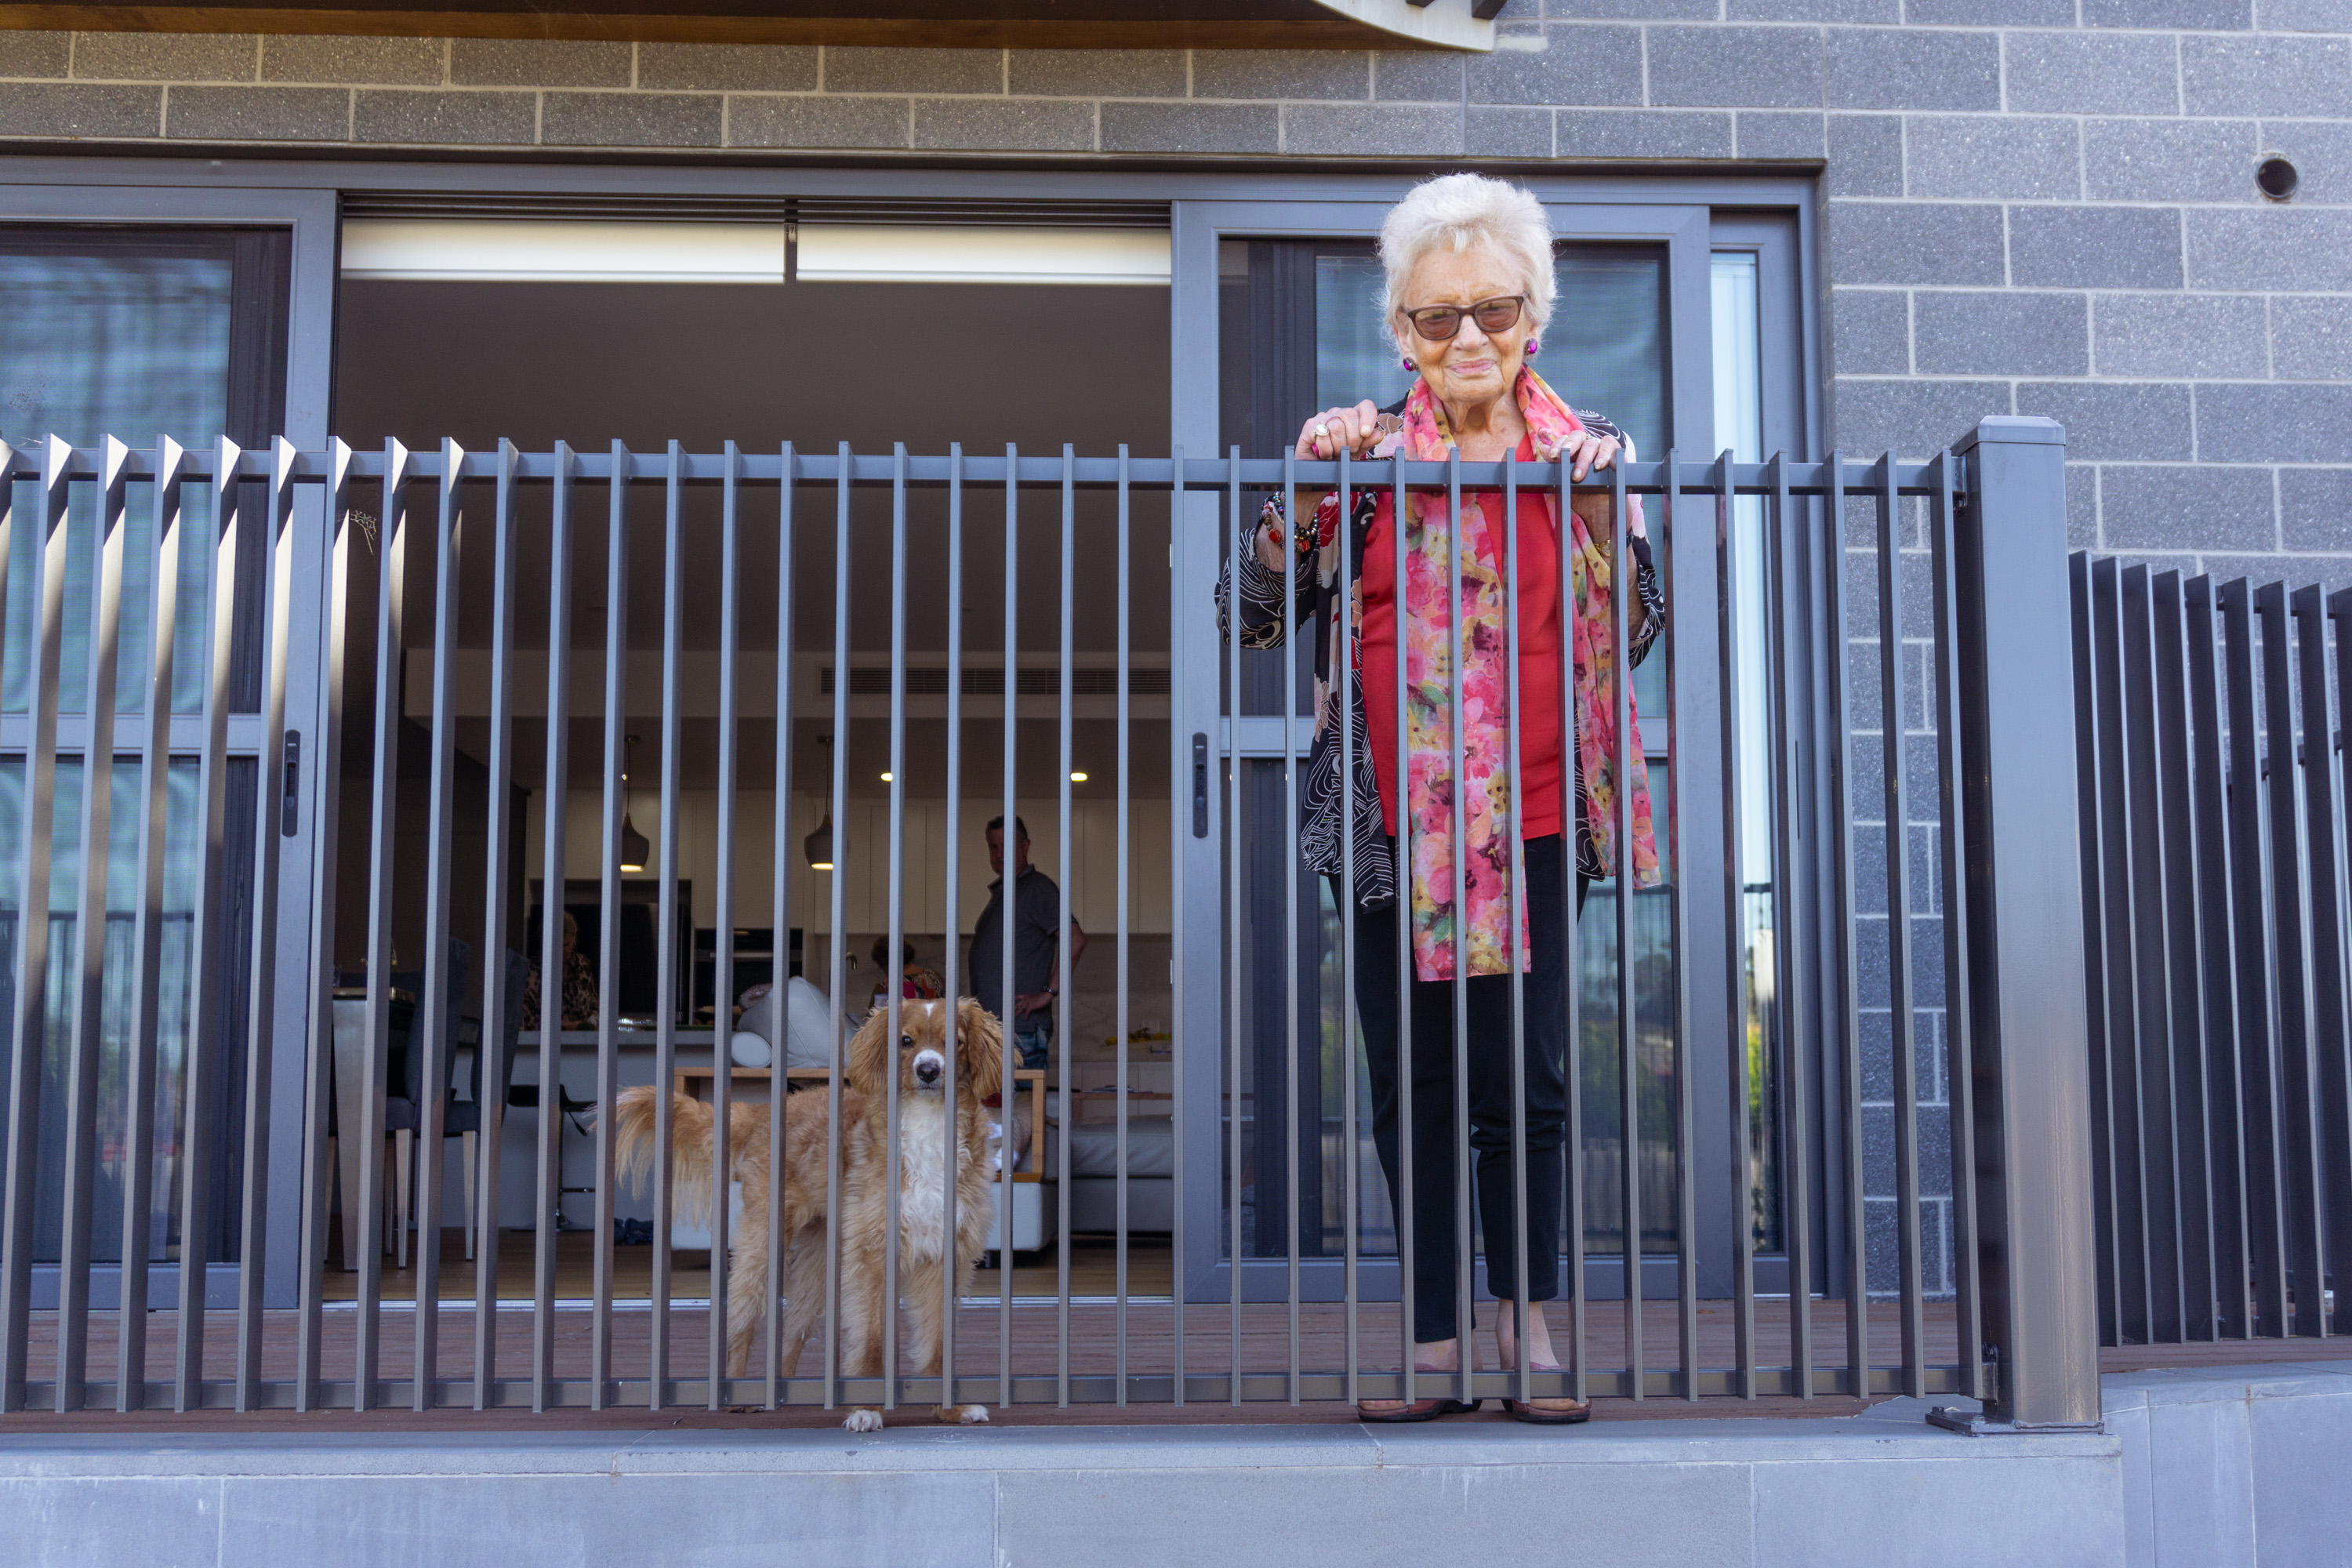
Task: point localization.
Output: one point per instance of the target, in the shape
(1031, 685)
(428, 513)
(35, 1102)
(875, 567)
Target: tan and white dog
(804, 1227)
(934, 1140)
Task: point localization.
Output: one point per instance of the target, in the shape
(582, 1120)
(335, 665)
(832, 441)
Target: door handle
(289, 805)
(1200, 785)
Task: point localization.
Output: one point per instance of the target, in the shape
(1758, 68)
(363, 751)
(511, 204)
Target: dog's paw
(862, 1421)
(960, 1414)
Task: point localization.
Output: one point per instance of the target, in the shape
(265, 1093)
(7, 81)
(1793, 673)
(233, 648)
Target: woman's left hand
(1588, 452)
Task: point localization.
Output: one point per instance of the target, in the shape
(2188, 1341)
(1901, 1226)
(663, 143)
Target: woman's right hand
(1357, 429)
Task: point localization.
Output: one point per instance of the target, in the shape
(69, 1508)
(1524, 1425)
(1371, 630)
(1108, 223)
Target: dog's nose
(927, 1072)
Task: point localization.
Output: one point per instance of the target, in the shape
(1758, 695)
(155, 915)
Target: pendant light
(634, 849)
(818, 846)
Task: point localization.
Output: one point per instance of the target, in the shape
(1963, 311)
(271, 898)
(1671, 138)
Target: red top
(1538, 582)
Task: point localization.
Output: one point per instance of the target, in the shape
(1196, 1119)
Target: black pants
(1436, 1243)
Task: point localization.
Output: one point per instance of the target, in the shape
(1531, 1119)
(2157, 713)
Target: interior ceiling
(925, 365)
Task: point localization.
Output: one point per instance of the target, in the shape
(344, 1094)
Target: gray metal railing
(2209, 745)
(1991, 553)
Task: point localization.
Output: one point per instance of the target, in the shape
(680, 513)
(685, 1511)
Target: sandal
(1527, 1411)
(1581, 1411)
(1419, 1410)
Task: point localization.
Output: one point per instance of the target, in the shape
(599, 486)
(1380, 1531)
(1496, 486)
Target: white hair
(1458, 212)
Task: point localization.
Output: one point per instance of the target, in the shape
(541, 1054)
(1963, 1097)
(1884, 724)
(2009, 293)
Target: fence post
(2035, 1251)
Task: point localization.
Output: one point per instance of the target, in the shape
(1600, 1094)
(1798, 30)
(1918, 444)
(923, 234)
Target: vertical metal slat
(1686, 1110)
(318, 1079)
(1125, 634)
(608, 932)
(2299, 1131)
(780, 919)
(1735, 981)
(28, 1027)
(80, 1163)
(1959, 1030)
(1629, 1100)
(1894, 765)
(666, 977)
(489, 1047)
(1293, 1114)
(892, 971)
(1787, 556)
(441, 993)
(163, 544)
(555, 810)
(382, 805)
(722, 918)
(1856, 1283)
(1062, 932)
(2217, 940)
(1516, 889)
(1572, 923)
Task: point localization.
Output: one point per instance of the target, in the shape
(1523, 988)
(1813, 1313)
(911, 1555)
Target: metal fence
(1989, 597)
(2214, 882)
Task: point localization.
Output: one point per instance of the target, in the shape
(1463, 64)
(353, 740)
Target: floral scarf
(1426, 621)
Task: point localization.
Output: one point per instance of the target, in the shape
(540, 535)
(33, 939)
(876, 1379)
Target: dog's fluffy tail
(691, 1124)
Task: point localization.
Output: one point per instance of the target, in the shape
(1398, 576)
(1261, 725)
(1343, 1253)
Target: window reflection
(131, 345)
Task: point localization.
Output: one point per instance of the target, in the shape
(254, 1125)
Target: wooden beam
(1310, 29)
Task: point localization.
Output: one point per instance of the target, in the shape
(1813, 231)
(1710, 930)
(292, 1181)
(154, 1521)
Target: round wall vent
(2276, 178)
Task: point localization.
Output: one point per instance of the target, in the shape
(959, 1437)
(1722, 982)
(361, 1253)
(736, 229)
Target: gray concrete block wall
(2035, 206)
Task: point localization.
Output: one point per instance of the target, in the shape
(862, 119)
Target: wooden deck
(1035, 1334)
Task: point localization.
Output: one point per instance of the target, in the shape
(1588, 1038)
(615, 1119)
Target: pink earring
(1535, 347)
(1405, 360)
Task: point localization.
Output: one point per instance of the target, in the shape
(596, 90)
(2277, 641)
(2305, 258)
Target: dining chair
(463, 1118)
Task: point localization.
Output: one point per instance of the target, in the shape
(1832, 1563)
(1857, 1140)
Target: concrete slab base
(1882, 1489)
(2222, 1467)
(2235, 1466)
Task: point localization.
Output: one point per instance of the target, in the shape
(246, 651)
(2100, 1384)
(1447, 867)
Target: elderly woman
(1468, 265)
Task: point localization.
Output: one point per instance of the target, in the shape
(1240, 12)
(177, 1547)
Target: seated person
(579, 985)
(916, 982)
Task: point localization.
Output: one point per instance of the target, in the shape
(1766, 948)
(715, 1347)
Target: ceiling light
(1077, 778)
(885, 778)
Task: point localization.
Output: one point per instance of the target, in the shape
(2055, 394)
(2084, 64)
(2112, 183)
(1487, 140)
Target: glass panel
(118, 1006)
(118, 343)
(1355, 354)
(1604, 349)
(1740, 427)
(1654, 1061)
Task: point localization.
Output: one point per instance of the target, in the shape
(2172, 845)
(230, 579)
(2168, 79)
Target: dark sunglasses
(1439, 323)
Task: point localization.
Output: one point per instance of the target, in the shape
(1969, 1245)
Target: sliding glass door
(135, 333)
(141, 314)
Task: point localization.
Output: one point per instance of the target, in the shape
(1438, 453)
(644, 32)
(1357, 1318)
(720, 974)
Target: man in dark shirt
(1036, 916)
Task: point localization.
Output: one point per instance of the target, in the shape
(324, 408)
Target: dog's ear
(979, 1049)
(870, 1053)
